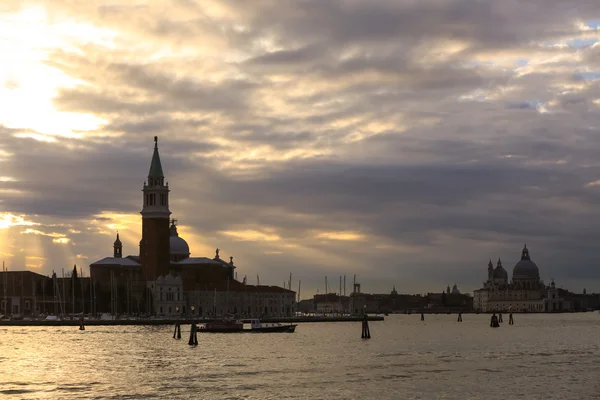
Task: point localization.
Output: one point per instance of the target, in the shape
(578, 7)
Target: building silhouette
(164, 279)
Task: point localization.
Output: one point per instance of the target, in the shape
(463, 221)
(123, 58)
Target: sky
(406, 142)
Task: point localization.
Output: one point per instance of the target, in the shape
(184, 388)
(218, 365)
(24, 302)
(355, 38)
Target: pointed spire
(490, 265)
(525, 253)
(118, 248)
(499, 262)
(156, 171)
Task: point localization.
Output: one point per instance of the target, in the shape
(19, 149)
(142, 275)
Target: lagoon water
(540, 357)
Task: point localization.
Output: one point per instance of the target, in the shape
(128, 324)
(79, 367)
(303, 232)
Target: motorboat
(257, 326)
(223, 326)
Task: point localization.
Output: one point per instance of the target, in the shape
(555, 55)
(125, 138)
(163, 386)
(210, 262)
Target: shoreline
(183, 321)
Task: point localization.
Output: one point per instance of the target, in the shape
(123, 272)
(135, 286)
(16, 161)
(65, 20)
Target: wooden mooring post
(193, 336)
(366, 333)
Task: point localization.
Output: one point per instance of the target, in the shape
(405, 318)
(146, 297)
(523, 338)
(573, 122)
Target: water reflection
(542, 356)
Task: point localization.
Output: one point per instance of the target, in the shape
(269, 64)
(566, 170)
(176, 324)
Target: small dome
(525, 268)
(179, 246)
(500, 273)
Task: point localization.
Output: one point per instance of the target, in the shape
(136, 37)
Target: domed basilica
(525, 293)
(164, 279)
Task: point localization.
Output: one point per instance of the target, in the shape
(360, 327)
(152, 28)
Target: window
(27, 305)
(161, 309)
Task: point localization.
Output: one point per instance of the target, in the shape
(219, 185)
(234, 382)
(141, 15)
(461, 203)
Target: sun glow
(28, 85)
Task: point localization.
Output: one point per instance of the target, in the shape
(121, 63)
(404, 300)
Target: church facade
(526, 292)
(163, 279)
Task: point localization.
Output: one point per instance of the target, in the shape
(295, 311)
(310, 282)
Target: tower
(525, 253)
(155, 246)
(118, 247)
(490, 270)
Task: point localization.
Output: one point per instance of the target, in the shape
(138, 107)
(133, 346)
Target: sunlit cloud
(7, 220)
(251, 235)
(34, 262)
(591, 184)
(340, 236)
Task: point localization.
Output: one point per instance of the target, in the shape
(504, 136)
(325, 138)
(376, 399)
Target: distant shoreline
(151, 322)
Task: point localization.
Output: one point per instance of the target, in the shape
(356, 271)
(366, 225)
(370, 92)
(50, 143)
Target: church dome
(179, 246)
(499, 272)
(525, 268)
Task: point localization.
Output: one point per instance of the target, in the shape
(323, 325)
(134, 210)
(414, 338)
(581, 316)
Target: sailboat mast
(73, 291)
(63, 302)
(82, 298)
(5, 271)
(112, 301)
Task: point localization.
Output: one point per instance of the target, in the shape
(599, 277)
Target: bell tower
(154, 247)
(118, 248)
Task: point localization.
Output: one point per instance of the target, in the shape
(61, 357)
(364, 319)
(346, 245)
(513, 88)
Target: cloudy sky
(406, 142)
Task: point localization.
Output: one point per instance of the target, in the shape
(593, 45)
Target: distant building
(29, 294)
(525, 293)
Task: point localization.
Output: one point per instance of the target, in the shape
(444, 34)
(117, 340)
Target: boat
(223, 326)
(257, 326)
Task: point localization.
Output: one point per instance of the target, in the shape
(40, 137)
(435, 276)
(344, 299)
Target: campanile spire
(155, 247)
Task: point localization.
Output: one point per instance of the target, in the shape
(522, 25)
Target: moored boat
(257, 326)
(224, 326)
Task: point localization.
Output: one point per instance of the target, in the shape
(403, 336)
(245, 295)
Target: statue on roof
(217, 253)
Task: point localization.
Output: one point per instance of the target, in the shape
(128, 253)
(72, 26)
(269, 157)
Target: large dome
(525, 268)
(179, 247)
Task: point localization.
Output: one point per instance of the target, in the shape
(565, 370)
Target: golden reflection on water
(542, 356)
